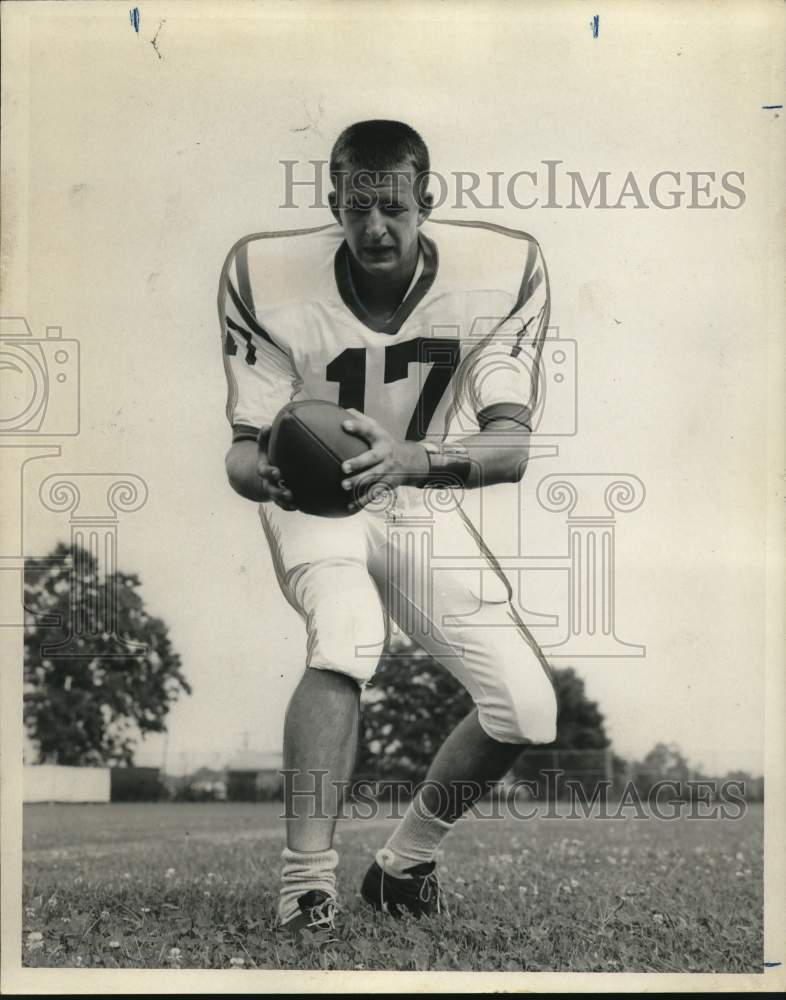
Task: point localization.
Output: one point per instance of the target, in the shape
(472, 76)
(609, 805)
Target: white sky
(144, 171)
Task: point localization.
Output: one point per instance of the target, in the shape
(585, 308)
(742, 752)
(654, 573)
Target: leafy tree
(664, 761)
(90, 694)
(409, 708)
(580, 749)
(413, 703)
(580, 721)
(752, 785)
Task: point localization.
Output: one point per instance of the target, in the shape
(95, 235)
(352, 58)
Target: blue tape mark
(770, 107)
(772, 965)
(595, 25)
(134, 18)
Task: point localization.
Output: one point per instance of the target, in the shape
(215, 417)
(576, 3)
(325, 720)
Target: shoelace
(429, 882)
(382, 892)
(323, 914)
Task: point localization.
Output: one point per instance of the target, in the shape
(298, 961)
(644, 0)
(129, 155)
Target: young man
(417, 327)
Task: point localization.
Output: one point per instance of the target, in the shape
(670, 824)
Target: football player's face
(380, 217)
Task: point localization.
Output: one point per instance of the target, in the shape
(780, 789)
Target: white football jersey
(462, 347)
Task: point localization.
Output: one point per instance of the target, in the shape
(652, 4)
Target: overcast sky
(143, 171)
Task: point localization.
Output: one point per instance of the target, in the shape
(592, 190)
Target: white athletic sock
(414, 840)
(303, 871)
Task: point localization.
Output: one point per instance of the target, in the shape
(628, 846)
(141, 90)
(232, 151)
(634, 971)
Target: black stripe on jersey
(532, 256)
(251, 351)
(543, 316)
(516, 350)
(529, 281)
(248, 317)
(532, 285)
(232, 390)
(391, 326)
(243, 279)
(538, 340)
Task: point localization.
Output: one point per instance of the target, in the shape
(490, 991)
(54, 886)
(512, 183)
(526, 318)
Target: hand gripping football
(308, 445)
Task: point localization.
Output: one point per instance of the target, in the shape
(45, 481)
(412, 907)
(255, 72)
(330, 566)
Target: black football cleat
(417, 894)
(315, 919)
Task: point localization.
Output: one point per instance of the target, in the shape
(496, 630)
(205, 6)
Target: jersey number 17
(442, 353)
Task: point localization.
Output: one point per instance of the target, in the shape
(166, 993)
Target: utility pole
(609, 765)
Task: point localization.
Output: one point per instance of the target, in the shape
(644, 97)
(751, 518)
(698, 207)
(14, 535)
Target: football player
(430, 332)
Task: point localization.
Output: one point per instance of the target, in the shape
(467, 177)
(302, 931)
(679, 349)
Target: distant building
(136, 784)
(204, 785)
(255, 776)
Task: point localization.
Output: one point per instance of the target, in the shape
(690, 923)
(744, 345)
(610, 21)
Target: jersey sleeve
(502, 372)
(260, 375)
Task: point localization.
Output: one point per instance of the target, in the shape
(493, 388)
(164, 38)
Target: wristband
(448, 464)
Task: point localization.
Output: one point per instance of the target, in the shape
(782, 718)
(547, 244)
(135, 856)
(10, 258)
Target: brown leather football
(308, 445)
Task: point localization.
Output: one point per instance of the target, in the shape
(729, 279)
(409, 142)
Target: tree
(580, 721)
(409, 708)
(580, 750)
(99, 670)
(750, 786)
(413, 703)
(664, 761)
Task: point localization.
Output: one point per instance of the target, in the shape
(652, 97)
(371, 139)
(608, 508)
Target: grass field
(194, 886)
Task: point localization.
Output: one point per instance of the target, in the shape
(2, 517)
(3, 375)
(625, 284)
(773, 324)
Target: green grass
(194, 886)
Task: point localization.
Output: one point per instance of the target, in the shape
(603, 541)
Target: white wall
(52, 783)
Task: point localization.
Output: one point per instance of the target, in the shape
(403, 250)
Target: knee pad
(344, 620)
(521, 712)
